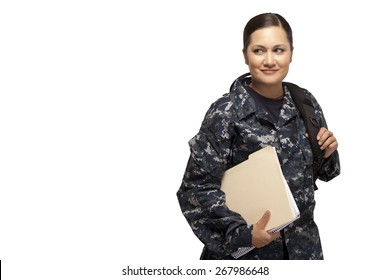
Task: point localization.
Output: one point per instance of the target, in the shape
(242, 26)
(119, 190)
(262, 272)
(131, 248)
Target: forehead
(272, 35)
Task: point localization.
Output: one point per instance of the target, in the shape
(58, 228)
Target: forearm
(330, 168)
(203, 205)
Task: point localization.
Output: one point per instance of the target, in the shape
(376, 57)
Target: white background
(99, 98)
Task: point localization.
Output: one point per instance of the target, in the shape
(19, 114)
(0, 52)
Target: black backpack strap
(306, 109)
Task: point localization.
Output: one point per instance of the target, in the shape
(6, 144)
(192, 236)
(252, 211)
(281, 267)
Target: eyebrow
(276, 46)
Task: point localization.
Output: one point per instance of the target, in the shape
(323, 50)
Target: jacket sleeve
(200, 197)
(331, 166)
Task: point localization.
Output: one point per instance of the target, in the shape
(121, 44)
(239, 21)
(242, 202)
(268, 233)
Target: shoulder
(220, 110)
(302, 90)
(312, 101)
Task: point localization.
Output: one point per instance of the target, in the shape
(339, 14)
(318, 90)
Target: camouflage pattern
(234, 127)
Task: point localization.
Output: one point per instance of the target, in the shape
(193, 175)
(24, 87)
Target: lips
(268, 71)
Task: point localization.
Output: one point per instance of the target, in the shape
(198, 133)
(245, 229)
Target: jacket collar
(245, 105)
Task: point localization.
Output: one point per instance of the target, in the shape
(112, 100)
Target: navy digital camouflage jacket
(234, 127)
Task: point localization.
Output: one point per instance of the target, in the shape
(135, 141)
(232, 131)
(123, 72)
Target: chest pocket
(295, 151)
(305, 147)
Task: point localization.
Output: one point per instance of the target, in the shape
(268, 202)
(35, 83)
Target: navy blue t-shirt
(272, 106)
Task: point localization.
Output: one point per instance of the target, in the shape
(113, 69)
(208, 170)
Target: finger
(334, 145)
(330, 148)
(262, 223)
(324, 137)
(321, 132)
(331, 142)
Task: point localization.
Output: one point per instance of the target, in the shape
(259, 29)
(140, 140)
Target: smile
(268, 71)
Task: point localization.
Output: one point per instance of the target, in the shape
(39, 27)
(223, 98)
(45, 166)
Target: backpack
(306, 109)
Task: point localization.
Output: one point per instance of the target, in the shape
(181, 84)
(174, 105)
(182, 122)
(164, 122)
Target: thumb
(264, 220)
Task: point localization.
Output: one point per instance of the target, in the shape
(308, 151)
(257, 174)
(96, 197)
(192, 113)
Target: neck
(269, 91)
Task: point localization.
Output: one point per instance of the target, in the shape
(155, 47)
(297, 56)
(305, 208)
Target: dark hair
(266, 20)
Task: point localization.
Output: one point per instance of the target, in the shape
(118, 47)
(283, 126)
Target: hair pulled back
(266, 20)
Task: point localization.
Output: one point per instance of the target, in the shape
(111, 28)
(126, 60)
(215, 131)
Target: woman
(257, 112)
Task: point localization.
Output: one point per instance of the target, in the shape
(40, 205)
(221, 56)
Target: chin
(269, 82)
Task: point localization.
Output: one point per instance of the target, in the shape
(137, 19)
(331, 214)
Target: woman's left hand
(327, 141)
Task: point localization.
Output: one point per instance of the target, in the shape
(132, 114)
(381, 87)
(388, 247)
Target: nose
(269, 59)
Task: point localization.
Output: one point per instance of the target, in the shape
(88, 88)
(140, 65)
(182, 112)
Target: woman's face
(268, 56)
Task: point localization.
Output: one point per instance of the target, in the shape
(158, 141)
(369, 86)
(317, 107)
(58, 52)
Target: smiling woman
(268, 48)
(268, 57)
(257, 112)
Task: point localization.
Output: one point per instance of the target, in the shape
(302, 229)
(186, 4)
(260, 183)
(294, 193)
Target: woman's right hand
(260, 237)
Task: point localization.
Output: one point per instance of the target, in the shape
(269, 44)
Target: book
(257, 185)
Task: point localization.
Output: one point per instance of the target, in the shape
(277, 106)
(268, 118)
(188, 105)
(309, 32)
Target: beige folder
(257, 185)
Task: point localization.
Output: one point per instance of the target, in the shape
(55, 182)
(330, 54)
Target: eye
(279, 50)
(258, 51)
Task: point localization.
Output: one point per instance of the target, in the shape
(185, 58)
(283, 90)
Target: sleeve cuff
(244, 239)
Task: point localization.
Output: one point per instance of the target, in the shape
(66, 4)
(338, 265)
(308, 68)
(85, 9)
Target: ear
(245, 56)
(292, 51)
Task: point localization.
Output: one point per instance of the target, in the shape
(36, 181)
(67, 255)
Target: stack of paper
(257, 185)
